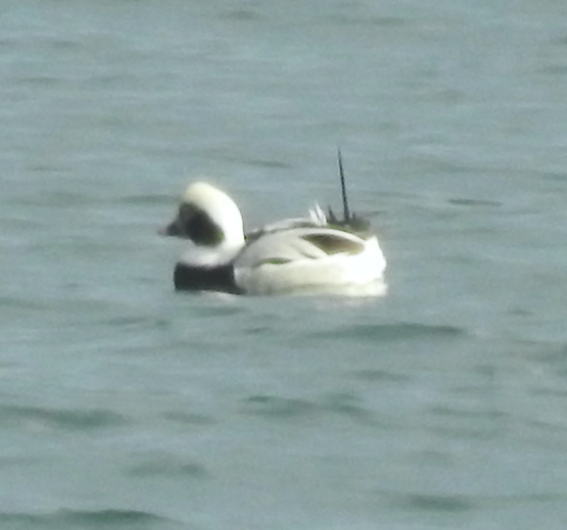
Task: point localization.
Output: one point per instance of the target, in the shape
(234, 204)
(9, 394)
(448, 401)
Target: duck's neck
(233, 237)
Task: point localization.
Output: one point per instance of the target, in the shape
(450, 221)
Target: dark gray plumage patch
(203, 230)
(190, 278)
(331, 244)
(274, 261)
(354, 224)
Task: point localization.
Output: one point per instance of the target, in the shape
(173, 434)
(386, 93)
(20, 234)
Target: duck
(319, 252)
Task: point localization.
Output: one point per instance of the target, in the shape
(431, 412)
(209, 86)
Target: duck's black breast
(188, 277)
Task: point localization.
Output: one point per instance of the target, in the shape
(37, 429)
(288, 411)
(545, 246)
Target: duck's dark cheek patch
(203, 230)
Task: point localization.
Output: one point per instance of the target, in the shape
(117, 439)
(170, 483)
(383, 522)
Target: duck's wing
(304, 243)
(307, 257)
(316, 219)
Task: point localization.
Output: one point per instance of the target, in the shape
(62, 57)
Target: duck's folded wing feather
(297, 245)
(335, 242)
(316, 219)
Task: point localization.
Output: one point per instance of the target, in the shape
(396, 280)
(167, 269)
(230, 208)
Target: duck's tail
(346, 211)
(349, 221)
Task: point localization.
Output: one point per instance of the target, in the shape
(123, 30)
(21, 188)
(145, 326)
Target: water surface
(439, 405)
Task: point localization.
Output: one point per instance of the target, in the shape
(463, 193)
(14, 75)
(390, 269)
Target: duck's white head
(207, 216)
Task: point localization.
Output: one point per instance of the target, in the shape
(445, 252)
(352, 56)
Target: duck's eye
(199, 226)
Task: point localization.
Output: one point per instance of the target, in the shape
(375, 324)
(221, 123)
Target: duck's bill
(172, 229)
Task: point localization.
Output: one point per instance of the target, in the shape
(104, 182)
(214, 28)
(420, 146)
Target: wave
(61, 419)
(65, 518)
(392, 332)
(293, 409)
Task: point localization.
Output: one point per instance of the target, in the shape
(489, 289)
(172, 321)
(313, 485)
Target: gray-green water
(440, 405)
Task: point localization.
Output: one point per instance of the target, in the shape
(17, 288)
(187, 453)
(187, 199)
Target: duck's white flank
(286, 261)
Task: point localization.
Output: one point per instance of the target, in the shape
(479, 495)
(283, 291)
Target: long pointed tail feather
(352, 222)
(343, 186)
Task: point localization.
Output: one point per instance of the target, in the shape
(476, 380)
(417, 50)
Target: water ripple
(347, 404)
(167, 467)
(335, 404)
(69, 420)
(437, 503)
(61, 519)
(188, 418)
(482, 203)
(379, 376)
(392, 332)
(448, 503)
(278, 407)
